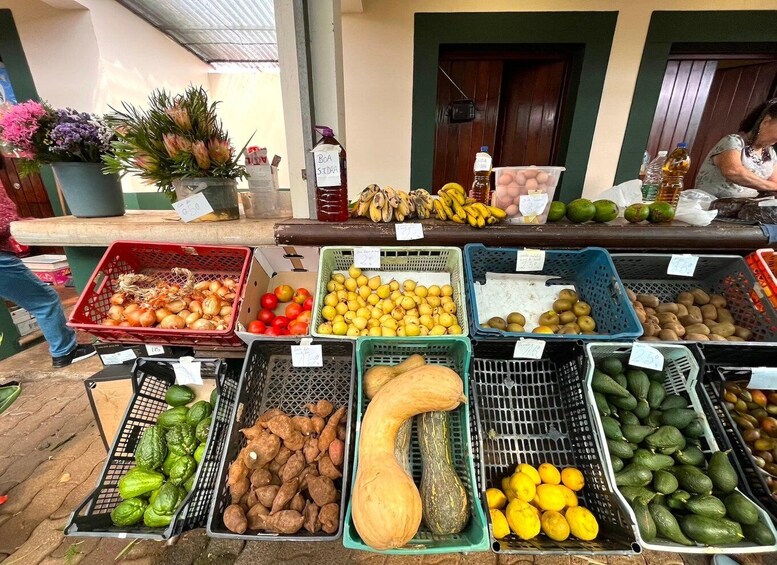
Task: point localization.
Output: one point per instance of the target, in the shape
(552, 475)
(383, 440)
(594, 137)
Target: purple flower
(78, 136)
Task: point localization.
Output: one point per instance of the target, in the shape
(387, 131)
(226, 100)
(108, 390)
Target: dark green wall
(714, 32)
(592, 30)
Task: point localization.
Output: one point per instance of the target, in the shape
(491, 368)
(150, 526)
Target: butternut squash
(379, 375)
(386, 505)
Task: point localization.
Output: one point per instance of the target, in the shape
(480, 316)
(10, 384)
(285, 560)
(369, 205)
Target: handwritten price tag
(152, 350)
(193, 207)
(530, 260)
(366, 257)
(188, 371)
(407, 232)
(529, 349)
(645, 356)
(307, 356)
(682, 265)
(119, 357)
(764, 378)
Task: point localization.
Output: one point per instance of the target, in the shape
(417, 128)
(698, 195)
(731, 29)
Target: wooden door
(28, 193)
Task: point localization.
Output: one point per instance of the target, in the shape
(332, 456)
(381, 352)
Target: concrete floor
(51, 456)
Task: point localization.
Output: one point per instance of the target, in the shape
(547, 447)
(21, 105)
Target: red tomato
(275, 332)
(280, 322)
(284, 331)
(298, 328)
(293, 310)
(301, 295)
(266, 316)
(308, 304)
(268, 301)
(305, 316)
(257, 327)
(284, 292)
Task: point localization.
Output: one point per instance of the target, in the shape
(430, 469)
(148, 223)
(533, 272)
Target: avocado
(628, 418)
(612, 366)
(653, 461)
(711, 531)
(674, 401)
(620, 378)
(666, 524)
(601, 404)
(643, 409)
(655, 376)
(679, 417)
(617, 463)
(739, 508)
(647, 527)
(694, 430)
(692, 479)
(605, 384)
(656, 394)
(628, 402)
(665, 482)
(653, 419)
(677, 500)
(706, 505)
(631, 494)
(635, 434)
(637, 383)
(612, 429)
(620, 448)
(634, 476)
(721, 471)
(690, 455)
(758, 533)
(667, 439)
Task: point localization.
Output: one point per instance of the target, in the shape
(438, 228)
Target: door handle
(17, 186)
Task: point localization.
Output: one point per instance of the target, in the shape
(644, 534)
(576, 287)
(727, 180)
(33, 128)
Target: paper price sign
(366, 257)
(407, 232)
(152, 350)
(193, 207)
(645, 356)
(530, 260)
(682, 265)
(529, 349)
(188, 371)
(119, 357)
(763, 378)
(307, 356)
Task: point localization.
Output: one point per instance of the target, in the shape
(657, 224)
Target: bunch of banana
(424, 203)
(387, 204)
(453, 204)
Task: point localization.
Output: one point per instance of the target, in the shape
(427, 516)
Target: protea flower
(145, 162)
(219, 150)
(171, 144)
(200, 152)
(180, 116)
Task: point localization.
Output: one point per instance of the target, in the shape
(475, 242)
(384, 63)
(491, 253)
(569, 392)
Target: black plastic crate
(269, 380)
(93, 515)
(533, 411)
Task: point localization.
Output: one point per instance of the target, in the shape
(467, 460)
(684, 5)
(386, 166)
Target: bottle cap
(326, 131)
(484, 148)
(662, 153)
(682, 145)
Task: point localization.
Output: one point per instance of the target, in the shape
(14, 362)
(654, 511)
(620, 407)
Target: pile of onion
(208, 307)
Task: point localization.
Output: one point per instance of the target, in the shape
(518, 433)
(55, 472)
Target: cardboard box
(20, 315)
(27, 327)
(118, 353)
(45, 262)
(273, 266)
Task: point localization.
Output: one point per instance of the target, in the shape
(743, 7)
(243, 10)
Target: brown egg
(542, 177)
(531, 184)
(513, 190)
(505, 177)
(530, 173)
(520, 178)
(512, 210)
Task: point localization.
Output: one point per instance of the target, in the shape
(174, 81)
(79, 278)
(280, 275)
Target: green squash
(168, 463)
(172, 417)
(128, 512)
(198, 412)
(181, 439)
(151, 450)
(446, 506)
(199, 453)
(183, 468)
(189, 484)
(153, 519)
(179, 395)
(167, 499)
(214, 396)
(203, 429)
(137, 482)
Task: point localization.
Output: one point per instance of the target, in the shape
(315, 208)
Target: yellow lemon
(373, 323)
(325, 328)
(549, 474)
(328, 312)
(572, 478)
(542, 330)
(522, 519)
(529, 470)
(363, 313)
(390, 323)
(496, 498)
(455, 329)
(523, 486)
(570, 498)
(554, 525)
(376, 313)
(499, 526)
(447, 290)
(338, 318)
(349, 317)
(582, 523)
(342, 295)
(550, 497)
(364, 332)
(506, 488)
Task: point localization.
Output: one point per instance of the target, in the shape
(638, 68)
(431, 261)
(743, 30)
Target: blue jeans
(20, 285)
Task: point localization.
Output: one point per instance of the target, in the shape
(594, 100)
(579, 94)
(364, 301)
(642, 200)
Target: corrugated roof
(219, 32)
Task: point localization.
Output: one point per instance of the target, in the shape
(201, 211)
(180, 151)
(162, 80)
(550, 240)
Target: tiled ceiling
(228, 34)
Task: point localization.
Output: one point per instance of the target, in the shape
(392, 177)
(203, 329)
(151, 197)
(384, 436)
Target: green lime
(557, 211)
(606, 211)
(637, 213)
(580, 211)
(660, 213)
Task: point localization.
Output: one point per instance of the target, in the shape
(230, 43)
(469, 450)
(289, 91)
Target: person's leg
(20, 285)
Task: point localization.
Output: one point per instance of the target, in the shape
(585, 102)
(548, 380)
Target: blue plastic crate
(590, 270)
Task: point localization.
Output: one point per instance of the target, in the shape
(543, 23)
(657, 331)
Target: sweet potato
(337, 451)
(318, 424)
(293, 467)
(284, 522)
(269, 415)
(283, 455)
(297, 503)
(322, 490)
(256, 516)
(285, 494)
(237, 470)
(311, 517)
(295, 442)
(329, 516)
(310, 450)
(261, 451)
(239, 489)
(309, 471)
(275, 479)
(327, 469)
(260, 478)
(330, 430)
(341, 433)
(235, 519)
(303, 425)
(281, 426)
(266, 495)
(274, 467)
(252, 433)
(322, 408)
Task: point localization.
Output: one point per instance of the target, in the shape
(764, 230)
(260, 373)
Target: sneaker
(79, 353)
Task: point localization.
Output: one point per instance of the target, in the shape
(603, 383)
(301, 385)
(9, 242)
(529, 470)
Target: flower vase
(220, 193)
(88, 192)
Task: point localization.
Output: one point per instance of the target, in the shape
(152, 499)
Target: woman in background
(744, 164)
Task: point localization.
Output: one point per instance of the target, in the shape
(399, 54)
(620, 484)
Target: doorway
(519, 96)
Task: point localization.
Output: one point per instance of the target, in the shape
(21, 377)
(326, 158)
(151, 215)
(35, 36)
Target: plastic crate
(207, 262)
(681, 375)
(449, 351)
(269, 380)
(763, 263)
(535, 411)
(590, 270)
(92, 518)
(726, 275)
(415, 260)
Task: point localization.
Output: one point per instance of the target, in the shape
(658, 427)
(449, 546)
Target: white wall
(378, 69)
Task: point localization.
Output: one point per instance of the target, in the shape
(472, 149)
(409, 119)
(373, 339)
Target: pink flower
(200, 153)
(180, 117)
(20, 123)
(219, 150)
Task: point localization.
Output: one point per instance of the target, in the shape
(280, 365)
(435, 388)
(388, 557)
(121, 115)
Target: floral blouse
(711, 179)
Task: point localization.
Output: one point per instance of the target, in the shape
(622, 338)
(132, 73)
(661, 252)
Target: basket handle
(72, 527)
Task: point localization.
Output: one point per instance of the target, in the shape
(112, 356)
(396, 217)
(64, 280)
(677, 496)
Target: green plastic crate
(394, 260)
(449, 351)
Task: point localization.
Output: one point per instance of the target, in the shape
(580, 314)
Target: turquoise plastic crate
(453, 352)
(590, 270)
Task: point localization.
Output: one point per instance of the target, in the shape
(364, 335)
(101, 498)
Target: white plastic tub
(525, 193)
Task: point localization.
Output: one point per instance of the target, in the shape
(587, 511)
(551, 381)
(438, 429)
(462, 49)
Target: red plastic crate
(763, 263)
(207, 262)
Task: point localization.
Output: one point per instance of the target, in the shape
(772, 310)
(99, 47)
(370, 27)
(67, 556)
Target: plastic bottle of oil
(676, 165)
(481, 186)
(331, 178)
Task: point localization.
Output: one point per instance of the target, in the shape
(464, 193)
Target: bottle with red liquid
(331, 178)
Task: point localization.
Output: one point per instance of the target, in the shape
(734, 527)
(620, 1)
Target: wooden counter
(141, 225)
(719, 237)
